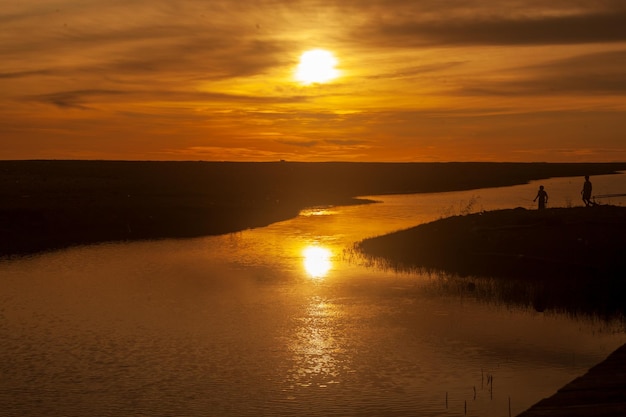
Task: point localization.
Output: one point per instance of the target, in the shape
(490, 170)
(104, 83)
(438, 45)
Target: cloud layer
(192, 79)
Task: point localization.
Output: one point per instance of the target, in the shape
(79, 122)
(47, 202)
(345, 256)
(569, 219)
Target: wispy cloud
(418, 70)
(500, 30)
(24, 74)
(73, 99)
(602, 73)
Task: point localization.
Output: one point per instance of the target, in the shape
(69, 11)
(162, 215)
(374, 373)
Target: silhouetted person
(586, 192)
(542, 196)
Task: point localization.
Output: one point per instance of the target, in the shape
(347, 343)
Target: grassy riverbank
(577, 241)
(53, 204)
(561, 258)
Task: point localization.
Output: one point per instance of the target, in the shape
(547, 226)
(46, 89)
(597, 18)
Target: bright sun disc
(317, 261)
(317, 66)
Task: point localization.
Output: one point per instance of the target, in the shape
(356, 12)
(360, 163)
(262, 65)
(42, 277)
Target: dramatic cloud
(502, 30)
(420, 80)
(589, 74)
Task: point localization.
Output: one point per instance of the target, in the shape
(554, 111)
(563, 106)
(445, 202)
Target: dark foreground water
(282, 321)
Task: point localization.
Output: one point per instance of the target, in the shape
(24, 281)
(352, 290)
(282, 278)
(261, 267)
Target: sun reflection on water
(317, 211)
(317, 261)
(317, 354)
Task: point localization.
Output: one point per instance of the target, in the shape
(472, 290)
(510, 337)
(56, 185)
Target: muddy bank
(53, 204)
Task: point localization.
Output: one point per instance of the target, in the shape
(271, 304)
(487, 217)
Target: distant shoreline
(47, 205)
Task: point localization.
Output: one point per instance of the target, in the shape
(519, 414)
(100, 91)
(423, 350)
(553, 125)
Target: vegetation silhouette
(570, 259)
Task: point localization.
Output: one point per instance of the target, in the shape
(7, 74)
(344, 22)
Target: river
(282, 321)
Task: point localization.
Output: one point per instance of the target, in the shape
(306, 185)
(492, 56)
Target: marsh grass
(567, 260)
(598, 299)
(463, 208)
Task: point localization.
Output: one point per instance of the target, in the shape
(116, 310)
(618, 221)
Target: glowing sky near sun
(415, 81)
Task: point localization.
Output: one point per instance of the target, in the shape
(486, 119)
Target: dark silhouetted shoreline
(597, 393)
(48, 205)
(568, 259)
(575, 241)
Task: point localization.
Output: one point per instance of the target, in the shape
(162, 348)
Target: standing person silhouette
(586, 191)
(542, 195)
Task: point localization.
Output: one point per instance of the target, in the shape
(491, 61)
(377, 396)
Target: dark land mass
(48, 205)
(571, 259)
(597, 393)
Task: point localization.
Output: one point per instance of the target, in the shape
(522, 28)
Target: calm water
(253, 324)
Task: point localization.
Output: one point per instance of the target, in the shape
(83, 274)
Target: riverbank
(597, 393)
(582, 242)
(565, 259)
(46, 205)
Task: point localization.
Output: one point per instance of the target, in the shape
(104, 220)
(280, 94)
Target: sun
(317, 66)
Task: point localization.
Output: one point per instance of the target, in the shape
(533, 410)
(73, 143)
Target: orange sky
(522, 80)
